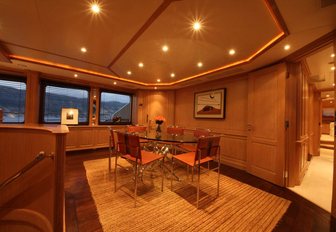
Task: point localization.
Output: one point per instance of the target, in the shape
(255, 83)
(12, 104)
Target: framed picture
(210, 104)
(69, 116)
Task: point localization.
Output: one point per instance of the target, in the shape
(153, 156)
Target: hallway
(317, 183)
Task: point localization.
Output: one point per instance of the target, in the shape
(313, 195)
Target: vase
(158, 130)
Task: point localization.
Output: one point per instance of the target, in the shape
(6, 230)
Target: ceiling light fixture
(333, 84)
(331, 101)
(165, 48)
(332, 68)
(199, 64)
(155, 87)
(232, 52)
(141, 65)
(197, 26)
(332, 55)
(83, 49)
(115, 83)
(75, 75)
(95, 8)
(129, 73)
(327, 95)
(287, 47)
(172, 74)
(158, 80)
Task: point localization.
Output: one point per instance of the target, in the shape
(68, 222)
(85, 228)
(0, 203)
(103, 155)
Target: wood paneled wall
(233, 127)
(154, 103)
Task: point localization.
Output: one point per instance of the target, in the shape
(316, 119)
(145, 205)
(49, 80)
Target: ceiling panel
(242, 25)
(63, 27)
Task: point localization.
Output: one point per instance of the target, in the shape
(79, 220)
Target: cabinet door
(266, 119)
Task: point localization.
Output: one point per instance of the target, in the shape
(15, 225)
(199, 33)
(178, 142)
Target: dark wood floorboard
(82, 216)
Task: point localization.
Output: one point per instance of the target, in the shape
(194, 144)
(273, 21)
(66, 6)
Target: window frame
(44, 83)
(17, 78)
(115, 92)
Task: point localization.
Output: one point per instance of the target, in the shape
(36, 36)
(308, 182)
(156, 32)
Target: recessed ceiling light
(115, 83)
(141, 65)
(232, 52)
(95, 8)
(199, 64)
(287, 47)
(332, 68)
(83, 49)
(158, 80)
(155, 87)
(331, 101)
(129, 73)
(197, 26)
(165, 48)
(327, 95)
(172, 74)
(333, 84)
(332, 55)
(75, 75)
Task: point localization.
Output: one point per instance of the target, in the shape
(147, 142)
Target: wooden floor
(81, 212)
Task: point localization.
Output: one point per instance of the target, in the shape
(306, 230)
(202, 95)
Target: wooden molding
(312, 48)
(4, 53)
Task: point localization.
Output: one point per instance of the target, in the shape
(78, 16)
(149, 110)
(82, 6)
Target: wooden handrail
(41, 155)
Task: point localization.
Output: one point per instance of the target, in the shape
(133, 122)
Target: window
(12, 98)
(56, 96)
(115, 108)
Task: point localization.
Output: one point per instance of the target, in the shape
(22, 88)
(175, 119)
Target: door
(266, 124)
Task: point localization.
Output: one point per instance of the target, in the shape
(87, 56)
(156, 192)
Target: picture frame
(69, 116)
(210, 104)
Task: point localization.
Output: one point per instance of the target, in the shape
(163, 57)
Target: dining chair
(208, 149)
(198, 132)
(129, 149)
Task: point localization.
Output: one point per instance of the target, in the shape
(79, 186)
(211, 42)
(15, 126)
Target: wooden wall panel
(266, 124)
(38, 195)
(233, 127)
(87, 137)
(154, 103)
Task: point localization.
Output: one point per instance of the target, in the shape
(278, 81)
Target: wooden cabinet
(87, 137)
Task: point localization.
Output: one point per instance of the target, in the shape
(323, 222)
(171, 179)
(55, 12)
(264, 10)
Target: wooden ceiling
(47, 36)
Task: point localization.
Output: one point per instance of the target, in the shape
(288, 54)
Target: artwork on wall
(69, 116)
(210, 104)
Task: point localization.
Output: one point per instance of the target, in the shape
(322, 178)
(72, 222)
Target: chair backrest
(111, 140)
(202, 149)
(122, 146)
(133, 146)
(200, 132)
(134, 129)
(175, 130)
(214, 145)
(207, 146)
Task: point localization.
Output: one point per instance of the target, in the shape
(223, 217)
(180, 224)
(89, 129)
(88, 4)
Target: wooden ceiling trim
(312, 48)
(54, 54)
(144, 27)
(4, 53)
(277, 17)
(75, 69)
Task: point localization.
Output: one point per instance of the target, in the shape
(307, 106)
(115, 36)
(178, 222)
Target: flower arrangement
(159, 119)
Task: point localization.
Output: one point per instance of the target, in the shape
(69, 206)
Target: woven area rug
(239, 206)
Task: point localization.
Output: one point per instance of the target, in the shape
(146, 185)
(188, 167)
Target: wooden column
(32, 98)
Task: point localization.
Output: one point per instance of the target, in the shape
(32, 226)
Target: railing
(26, 168)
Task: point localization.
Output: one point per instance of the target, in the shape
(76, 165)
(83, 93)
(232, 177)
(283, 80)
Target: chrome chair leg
(162, 173)
(115, 173)
(172, 174)
(198, 182)
(136, 184)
